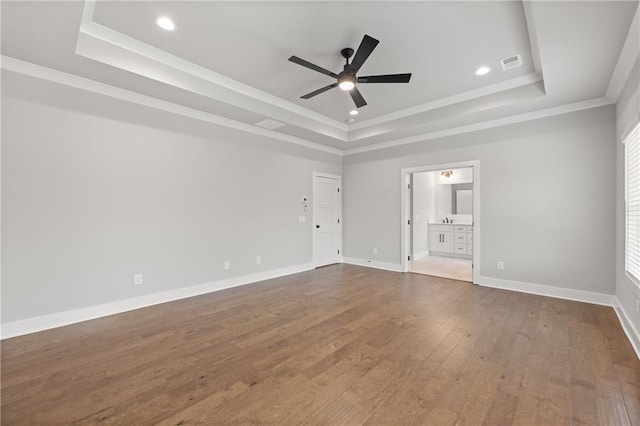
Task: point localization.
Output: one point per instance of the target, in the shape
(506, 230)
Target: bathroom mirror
(464, 201)
(455, 199)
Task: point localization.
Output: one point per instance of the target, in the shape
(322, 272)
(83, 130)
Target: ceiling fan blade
(317, 92)
(366, 47)
(390, 78)
(314, 67)
(357, 97)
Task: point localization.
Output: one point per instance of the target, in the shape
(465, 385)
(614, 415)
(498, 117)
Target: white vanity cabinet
(451, 239)
(441, 238)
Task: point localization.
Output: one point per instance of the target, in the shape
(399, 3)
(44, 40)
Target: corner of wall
(627, 325)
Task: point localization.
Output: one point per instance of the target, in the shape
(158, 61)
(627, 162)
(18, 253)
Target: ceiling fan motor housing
(347, 52)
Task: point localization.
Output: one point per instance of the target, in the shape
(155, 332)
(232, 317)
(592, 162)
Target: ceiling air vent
(269, 124)
(511, 62)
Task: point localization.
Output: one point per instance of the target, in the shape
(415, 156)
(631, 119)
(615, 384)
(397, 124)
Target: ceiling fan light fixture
(346, 82)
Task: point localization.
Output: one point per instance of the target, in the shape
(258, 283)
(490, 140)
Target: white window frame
(631, 143)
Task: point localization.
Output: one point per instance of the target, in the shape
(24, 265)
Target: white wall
(547, 193)
(90, 199)
(627, 112)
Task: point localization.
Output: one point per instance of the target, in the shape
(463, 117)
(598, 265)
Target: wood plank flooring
(341, 345)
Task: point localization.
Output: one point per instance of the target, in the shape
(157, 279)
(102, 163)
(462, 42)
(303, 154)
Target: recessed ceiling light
(165, 23)
(351, 120)
(483, 70)
(354, 112)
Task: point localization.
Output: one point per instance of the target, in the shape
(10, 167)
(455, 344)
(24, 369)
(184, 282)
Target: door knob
(317, 226)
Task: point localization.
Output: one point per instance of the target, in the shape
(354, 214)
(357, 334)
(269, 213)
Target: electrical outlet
(500, 265)
(375, 250)
(227, 264)
(137, 279)
(258, 260)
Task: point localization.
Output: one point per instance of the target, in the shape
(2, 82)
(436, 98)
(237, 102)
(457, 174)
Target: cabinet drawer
(460, 249)
(460, 238)
(440, 227)
(469, 248)
(461, 228)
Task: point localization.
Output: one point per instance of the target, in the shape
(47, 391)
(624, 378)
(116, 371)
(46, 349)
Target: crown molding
(534, 43)
(500, 122)
(71, 80)
(448, 101)
(629, 54)
(103, 44)
(82, 83)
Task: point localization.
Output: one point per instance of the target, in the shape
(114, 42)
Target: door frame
(405, 210)
(314, 214)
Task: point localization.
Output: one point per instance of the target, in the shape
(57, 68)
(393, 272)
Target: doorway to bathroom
(440, 212)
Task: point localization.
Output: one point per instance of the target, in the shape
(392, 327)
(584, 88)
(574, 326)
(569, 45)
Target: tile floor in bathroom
(445, 267)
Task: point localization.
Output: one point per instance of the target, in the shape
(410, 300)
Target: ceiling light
(447, 173)
(483, 70)
(165, 23)
(351, 120)
(346, 82)
(354, 112)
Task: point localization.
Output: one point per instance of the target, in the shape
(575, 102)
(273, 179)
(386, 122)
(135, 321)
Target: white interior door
(326, 220)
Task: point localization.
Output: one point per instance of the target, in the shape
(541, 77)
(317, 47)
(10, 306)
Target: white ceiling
(228, 60)
(251, 42)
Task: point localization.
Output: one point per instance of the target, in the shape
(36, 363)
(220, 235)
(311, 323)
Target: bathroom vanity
(450, 239)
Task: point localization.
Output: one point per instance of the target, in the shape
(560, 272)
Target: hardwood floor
(340, 345)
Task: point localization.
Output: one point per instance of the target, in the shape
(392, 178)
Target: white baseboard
(546, 290)
(58, 319)
(395, 267)
(629, 329)
(420, 254)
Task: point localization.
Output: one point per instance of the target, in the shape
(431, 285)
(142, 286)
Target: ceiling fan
(347, 79)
